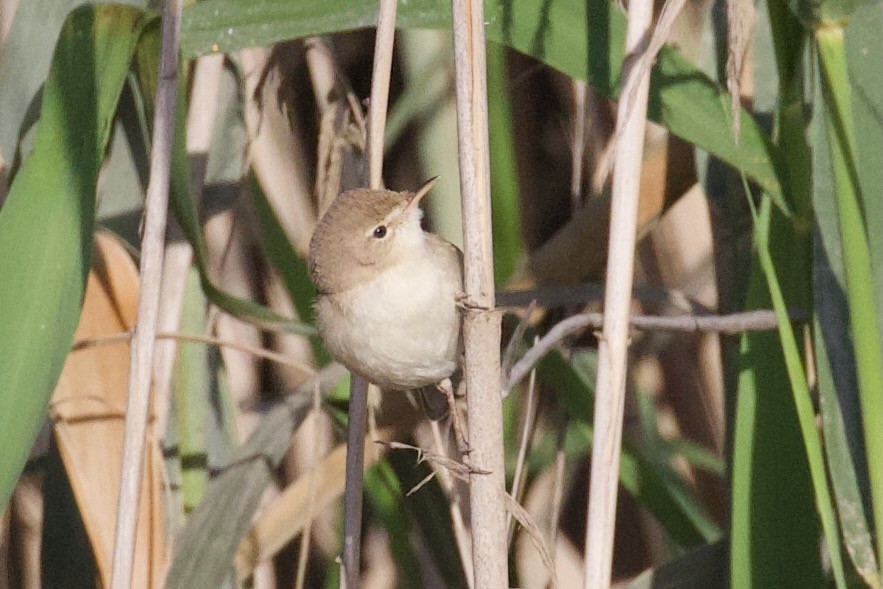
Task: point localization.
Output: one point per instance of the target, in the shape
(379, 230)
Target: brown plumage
(387, 306)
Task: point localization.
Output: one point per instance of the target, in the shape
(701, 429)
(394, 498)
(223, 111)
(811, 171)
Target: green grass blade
(673, 506)
(186, 213)
(384, 493)
(839, 405)
(801, 396)
(47, 221)
(27, 54)
(704, 566)
(774, 529)
(850, 507)
(559, 33)
(191, 387)
(864, 54)
(505, 196)
(856, 258)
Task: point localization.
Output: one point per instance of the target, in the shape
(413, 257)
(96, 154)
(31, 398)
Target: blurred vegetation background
(751, 460)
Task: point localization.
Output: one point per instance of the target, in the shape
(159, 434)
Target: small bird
(387, 292)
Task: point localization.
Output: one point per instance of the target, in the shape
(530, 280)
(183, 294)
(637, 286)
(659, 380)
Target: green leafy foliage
(560, 34)
(47, 219)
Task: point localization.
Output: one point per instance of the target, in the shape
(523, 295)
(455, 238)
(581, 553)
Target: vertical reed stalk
(613, 345)
(481, 324)
(358, 408)
(152, 245)
(856, 258)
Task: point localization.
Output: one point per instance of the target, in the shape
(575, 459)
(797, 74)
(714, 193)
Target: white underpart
(401, 329)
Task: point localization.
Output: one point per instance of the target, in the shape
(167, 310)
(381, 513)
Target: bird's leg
(447, 388)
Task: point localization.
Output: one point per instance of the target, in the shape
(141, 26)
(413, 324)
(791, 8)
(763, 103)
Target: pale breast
(400, 330)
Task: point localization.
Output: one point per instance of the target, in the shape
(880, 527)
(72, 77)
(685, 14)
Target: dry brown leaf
(536, 535)
(578, 250)
(291, 511)
(275, 151)
(88, 411)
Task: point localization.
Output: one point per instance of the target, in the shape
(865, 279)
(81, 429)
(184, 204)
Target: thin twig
(457, 469)
(141, 356)
(481, 324)
(613, 345)
(512, 347)
(199, 339)
(461, 534)
(581, 294)
(734, 323)
(557, 489)
(527, 430)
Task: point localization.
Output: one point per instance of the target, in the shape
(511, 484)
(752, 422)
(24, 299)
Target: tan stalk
(579, 143)
(527, 431)
(141, 363)
(179, 253)
(358, 409)
(481, 323)
(613, 344)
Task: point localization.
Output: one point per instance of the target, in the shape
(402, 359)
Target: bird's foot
(467, 303)
(447, 388)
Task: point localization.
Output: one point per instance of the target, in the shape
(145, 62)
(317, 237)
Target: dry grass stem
(304, 552)
(740, 26)
(380, 75)
(358, 408)
(455, 502)
(514, 343)
(557, 503)
(526, 434)
(582, 294)
(355, 470)
(323, 73)
(533, 530)
(481, 324)
(613, 345)
(578, 150)
(638, 62)
(141, 364)
(200, 339)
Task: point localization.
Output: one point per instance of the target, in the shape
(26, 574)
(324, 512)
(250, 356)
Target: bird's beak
(424, 190)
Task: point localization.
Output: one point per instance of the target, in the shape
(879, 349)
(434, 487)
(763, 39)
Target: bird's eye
(380, 232)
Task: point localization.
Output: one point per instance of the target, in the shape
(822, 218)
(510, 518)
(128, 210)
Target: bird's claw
(467, 303)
